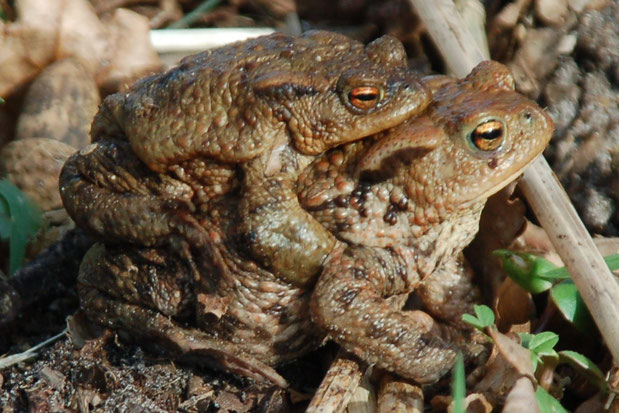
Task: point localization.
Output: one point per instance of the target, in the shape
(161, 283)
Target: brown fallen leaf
(47, 31)
(521, 398)
(512, 305)
(508, 362)
(130, 54)
(34, 166)
(399, 395)
(502, 221)
(27, 45)
(60, 104)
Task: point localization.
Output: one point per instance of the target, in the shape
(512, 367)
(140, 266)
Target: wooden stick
(338, 386)
(544, 193)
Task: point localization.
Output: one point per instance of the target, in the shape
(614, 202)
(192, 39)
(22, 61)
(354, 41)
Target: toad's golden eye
(364, 97)
(488, 135)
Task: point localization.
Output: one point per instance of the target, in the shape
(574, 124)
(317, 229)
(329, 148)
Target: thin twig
(8, 361)
(338, 386)
(544, 193)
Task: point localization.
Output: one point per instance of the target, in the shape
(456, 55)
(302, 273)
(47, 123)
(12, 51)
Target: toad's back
(231, 103)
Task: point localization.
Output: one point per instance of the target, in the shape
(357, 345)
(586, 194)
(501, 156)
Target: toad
(220, 122)
(402, 204)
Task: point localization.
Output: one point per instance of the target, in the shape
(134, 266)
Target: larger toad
(229, 115)
(403, 205)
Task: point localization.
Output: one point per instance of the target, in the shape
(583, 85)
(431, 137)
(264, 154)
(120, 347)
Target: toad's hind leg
(109, 192)
(349, 303)
(449, 293)
(139, 291)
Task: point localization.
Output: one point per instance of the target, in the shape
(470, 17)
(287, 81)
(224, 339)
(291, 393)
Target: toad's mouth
(502, 184)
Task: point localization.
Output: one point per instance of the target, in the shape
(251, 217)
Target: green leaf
(5, 219)
(458, 385)
(484, 317)
(562, 274)
(24, 220)
(569, 302)
(526, 269)
(472, 320)
(543, 343)
(586, 367)
(612, 261)
(547, 403)
(1, 100)
(484, 314)
(536, 274)
(525, 339)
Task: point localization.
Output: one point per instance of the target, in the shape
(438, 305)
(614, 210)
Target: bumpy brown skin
(237, 109)
(405, 206)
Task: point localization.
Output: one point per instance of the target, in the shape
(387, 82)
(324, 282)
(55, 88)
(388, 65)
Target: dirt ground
(565, 54)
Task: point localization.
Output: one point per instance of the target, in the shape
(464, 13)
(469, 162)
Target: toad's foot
(184, 344)
(349, 303)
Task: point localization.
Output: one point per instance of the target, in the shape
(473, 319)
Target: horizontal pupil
(365, 96)
(490, 134)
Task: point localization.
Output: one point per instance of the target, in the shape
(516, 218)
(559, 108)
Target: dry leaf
(399, 395)
(130, 53)
(521, 398)
(28, 44)
(81, 34)
(512, 305)
(34, 165)
(119, 50)
(60, 104)
(508, 362)
(501, 222)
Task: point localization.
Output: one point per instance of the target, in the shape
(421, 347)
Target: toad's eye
(364, 97)
(488, 135)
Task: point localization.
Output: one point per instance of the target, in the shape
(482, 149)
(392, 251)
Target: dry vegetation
(56, 63)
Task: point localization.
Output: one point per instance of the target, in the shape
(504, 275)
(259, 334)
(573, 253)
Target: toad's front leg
(349, 302)
(278, 233)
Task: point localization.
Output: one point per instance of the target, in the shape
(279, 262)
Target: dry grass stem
(194, 40)
(338, 386)
(13, 359)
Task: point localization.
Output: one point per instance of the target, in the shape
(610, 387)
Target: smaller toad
(224, 120)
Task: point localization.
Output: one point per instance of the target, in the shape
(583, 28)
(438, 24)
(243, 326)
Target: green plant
(458, 385)
(542, 350)
(536, 275)
(20, 219)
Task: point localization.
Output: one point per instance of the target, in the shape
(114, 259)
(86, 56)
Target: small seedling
(542, 351)
(540, 345)
(484, 317)
(458, 385)
(536, 275)
(20, 219)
